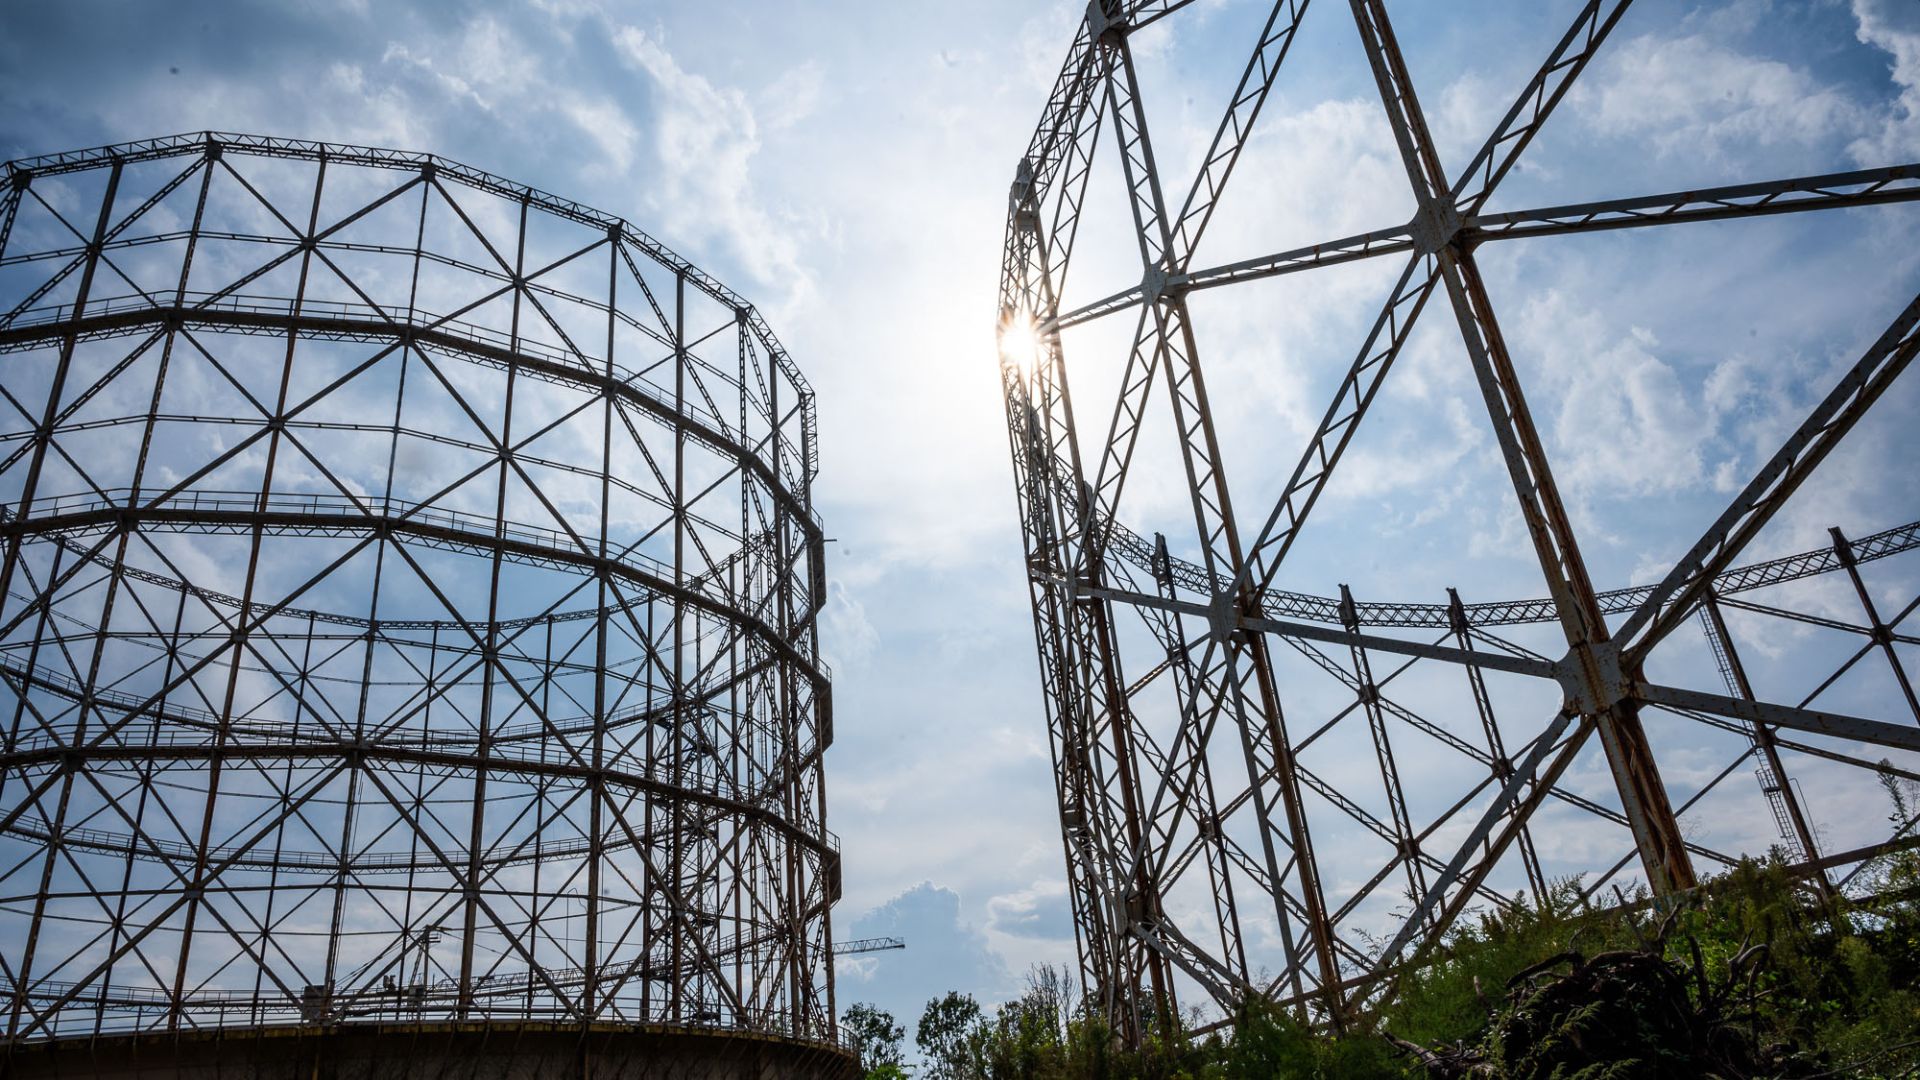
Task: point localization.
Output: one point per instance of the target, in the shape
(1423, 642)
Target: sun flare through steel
(410, 596)
(1220, 848)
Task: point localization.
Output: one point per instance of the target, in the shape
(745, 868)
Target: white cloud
(792, 97)
(608, 126)
(1693, 95)
(488, 66)
(944, 952)
(1736, 17)
(1341, 174)
(1893, 25)
(1035, 911)
(1608, 380)
(1466, 111)
(705, 138)
(848, 639)
(491, 68)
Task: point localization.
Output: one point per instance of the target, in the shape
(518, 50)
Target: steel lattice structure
(1189, 798)
(410, 597)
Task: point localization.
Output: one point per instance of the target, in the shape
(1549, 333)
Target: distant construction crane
(867, 945)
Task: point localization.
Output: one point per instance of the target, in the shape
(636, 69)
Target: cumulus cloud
(944, 952)
(1341, 174)
(1893, 26)
(792, 97)
(705, 138)
(1037, 911)
(848, 638)
(1691, 94)
(1610, 379)
(608, 126)
(485, 65)
(502, 71)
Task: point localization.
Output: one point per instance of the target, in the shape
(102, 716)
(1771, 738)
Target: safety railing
(525, 995)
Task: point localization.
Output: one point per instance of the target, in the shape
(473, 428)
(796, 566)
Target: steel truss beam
(409, 608)
(1169, 856)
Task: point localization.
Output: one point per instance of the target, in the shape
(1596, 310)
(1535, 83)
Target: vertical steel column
(590, 1005)
(738, 573)
(1502, 765)
(241, 641)
(1066, 649)
(1407, 843)
(209, 155)
(1242, 654)
(490, 662)
(1199, 798)
(1763, 737)
(1604, 687)
(670, 889)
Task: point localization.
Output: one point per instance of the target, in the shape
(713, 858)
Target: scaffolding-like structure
(411, 585)
(1190, 799)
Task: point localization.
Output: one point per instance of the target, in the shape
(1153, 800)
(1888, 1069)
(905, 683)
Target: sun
(1020, 342)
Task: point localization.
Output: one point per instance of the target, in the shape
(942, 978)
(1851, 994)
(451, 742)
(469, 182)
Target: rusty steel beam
(363, 661)
(1147, 812)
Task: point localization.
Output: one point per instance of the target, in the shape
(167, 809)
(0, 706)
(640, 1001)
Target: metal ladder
(1769, 783)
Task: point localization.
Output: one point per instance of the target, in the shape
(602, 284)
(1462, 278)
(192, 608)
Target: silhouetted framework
(410, 596)
(1189, 800)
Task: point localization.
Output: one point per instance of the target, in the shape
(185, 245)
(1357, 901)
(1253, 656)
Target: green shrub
(1753, 975)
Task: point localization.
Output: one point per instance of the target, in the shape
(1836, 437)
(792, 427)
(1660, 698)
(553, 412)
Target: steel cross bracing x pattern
(1174, 859)
(408, 609)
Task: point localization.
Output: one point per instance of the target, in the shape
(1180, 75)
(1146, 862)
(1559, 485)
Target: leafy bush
(1753, 975)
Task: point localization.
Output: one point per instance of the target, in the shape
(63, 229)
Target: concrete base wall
(520, 1051)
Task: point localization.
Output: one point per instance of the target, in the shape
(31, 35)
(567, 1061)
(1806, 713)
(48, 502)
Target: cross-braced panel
(1208, 725)
(409, 611)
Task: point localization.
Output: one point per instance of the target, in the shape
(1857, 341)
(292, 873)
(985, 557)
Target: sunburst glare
(1020, 342)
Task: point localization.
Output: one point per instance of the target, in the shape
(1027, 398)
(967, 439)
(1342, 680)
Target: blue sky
(845, 165)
